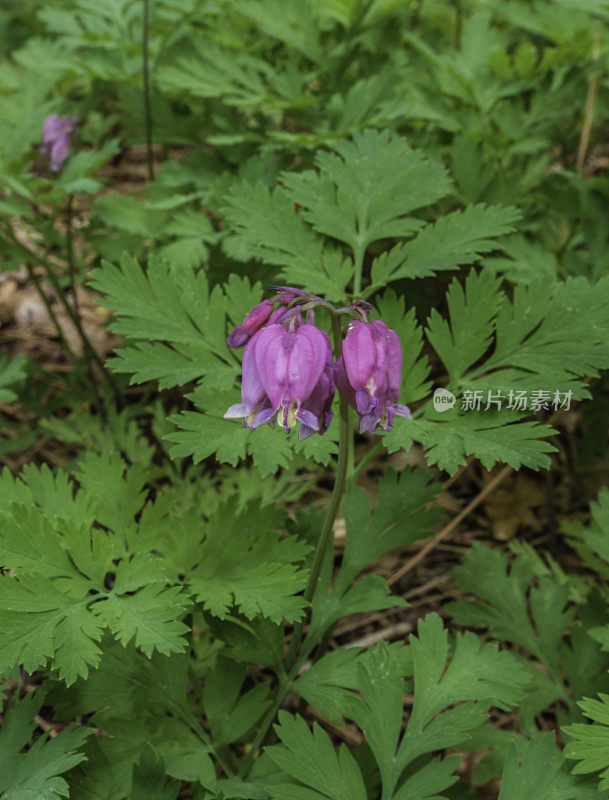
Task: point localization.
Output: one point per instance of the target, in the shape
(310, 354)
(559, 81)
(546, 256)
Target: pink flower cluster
(289, 373)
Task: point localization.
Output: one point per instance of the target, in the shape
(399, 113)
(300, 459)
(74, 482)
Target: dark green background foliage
(447, 162)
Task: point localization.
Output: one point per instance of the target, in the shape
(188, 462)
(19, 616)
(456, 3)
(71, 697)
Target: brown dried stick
(448, 529)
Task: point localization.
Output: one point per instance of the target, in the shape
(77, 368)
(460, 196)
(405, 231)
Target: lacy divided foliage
(424, 156)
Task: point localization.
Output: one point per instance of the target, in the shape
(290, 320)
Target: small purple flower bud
(255, 319)
(290, 364)
(368, 374)
(56, 132)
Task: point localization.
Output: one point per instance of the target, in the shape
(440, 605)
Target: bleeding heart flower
(290, 363)
(369, 372)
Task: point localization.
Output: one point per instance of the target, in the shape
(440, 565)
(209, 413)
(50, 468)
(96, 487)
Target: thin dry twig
(391, 632)
(47, 727)
(448, 529)
(350, 734)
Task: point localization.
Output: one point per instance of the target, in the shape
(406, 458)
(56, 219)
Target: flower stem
(52, 316)
(248, 761)
(323, 543)
(70, 251)
(147, 103)
(365, 460)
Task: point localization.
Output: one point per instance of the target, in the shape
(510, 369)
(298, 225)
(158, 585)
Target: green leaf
(592, 542)
(494, 349)
(266, 226)
(61, 549)
(440, 715)
(147, 618)
(201, 435)
(472, 311)
(554, 330)
(525, 261)
(236, 78)
(37, 772)
(149, 781)
(452, 696)
(400, 517)
(529, 606)
(128, 214)
(522, 779)
(179, 326)
(12, 371)
(365, 188)
(262, 577)
(590, 747)
(309, 758)
(78, 173)
(193, 232)
(118, 431)
(326, 684)
(177, 330)
(505, 595)
(459, 238)
(205, 432)
(232, 714)
(289, 21)
(492, 437)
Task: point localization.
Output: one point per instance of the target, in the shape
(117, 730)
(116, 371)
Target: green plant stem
(364, 461)
(85, 339)
(147, 103)
(353, 30)
(416, 17)
(248, 761)
(66, 345)
(186, 715)
(70, 252)
(458, 23)
(62, 338)
(358, 266)
(323, 543)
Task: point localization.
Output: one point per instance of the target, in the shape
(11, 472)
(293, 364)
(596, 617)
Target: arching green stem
(146, 87)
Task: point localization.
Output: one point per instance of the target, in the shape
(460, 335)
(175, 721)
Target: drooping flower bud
(290, 364)
(56, 132)
(369, 372)
(255, 319)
